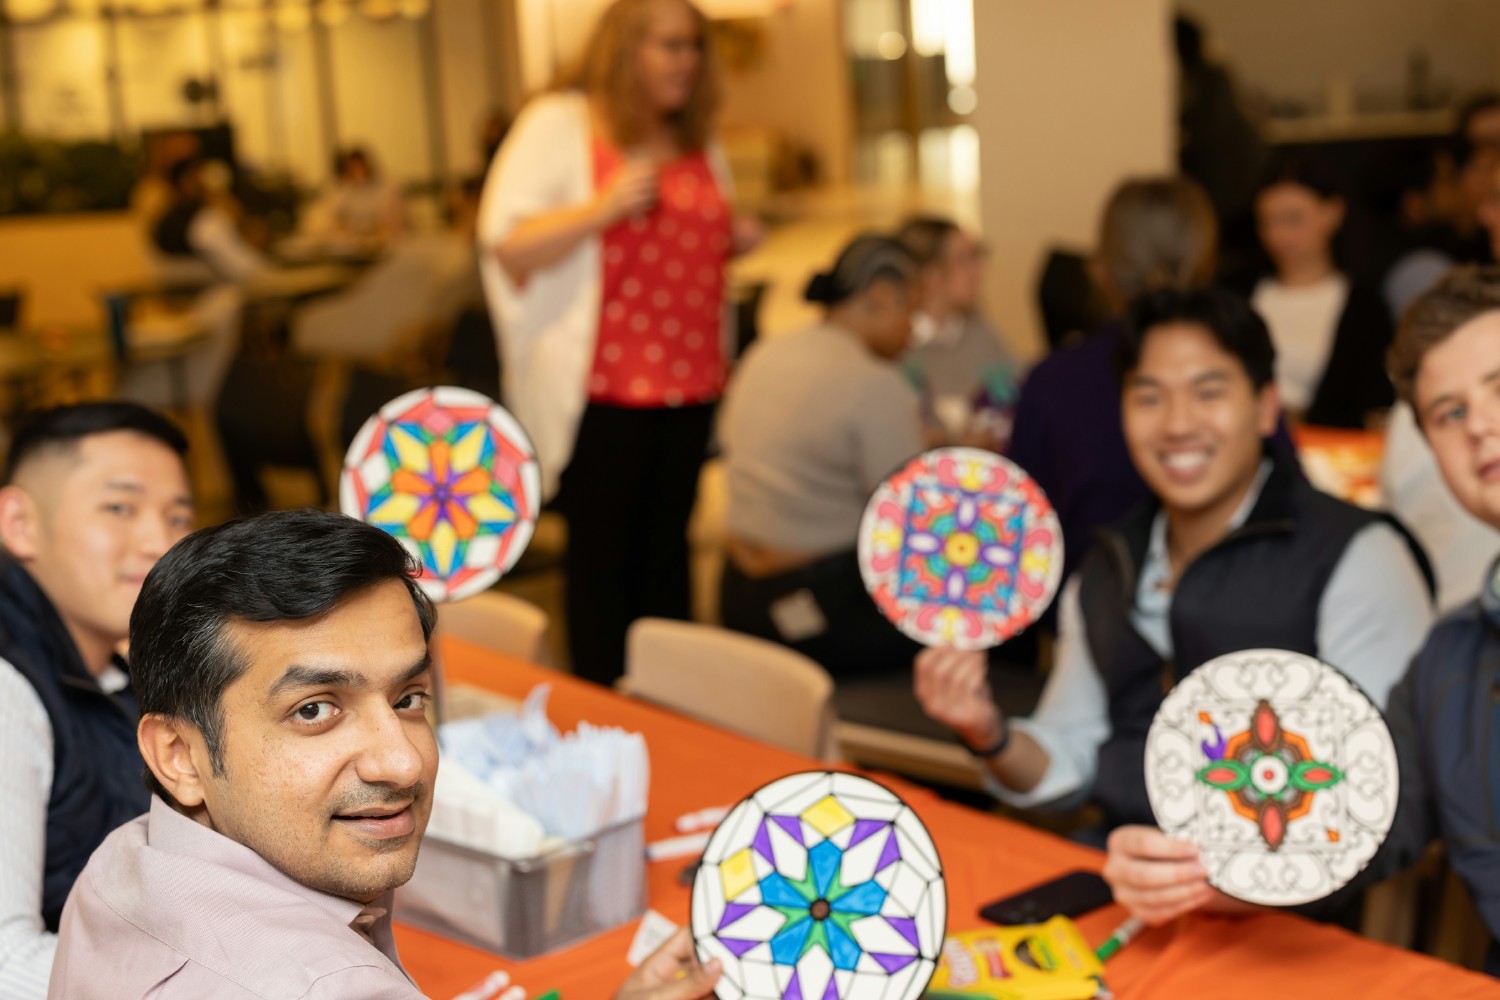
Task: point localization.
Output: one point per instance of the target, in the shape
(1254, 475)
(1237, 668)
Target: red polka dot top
(660, 318)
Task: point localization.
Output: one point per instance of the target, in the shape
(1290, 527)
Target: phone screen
(1070, 895)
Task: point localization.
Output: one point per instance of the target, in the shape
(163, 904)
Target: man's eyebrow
(1211, 376)
(1444, 399)
(131, 486)
(298, 676)
(417, 669)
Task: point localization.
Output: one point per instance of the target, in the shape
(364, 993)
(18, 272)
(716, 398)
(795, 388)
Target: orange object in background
(1345, 463)
(695, 766)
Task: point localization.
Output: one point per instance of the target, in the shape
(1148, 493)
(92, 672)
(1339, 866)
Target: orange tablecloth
(695, 766)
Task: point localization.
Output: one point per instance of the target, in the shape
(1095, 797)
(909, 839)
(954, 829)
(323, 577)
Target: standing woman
(605, 227)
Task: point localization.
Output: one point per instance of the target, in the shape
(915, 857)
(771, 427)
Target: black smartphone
(1070, 895)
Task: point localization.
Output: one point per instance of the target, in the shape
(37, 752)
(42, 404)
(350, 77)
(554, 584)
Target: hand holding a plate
(1158, 878)
(953, 688)
(672, 972)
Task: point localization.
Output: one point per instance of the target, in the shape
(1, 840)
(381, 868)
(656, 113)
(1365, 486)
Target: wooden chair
(500, 622)
(738, 682)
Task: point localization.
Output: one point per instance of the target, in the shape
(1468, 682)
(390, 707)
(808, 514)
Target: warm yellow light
(378, 10)
(292, 15)
(412, 9)
(29, 10)
(332, 13)
(891, 45)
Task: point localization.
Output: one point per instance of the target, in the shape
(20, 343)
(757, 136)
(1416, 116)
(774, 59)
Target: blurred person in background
(966, 377)
(605, 228)
(1219, 146)
(1331, 333)
(1156, 232)
(812, 423)
(198, 235)
(1460, 545)
(358, 207)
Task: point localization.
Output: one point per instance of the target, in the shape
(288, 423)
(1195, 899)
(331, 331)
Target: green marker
(1120, 938)
(550, 995)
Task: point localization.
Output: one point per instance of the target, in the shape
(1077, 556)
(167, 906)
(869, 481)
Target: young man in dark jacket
(93, 495)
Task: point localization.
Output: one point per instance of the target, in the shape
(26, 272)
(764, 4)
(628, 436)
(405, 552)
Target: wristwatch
(994, 749)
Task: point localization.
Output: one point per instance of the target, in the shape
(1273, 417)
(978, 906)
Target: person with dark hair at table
(358, 205)
(1155, 232)
(196, 230)
(813, 421)
(93, 495)
(1234, 550)
(283, 669)
(1330, 332)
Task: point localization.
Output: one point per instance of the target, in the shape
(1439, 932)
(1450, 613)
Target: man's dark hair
(284, 566)
(64, 427)
(1228, 317)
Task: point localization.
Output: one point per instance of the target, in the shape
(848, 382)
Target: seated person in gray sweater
(811, 423)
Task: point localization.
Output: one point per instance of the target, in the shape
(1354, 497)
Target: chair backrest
(500, 622)
(744, 684)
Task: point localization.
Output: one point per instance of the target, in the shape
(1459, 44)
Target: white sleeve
(26, 947)
(1071, 720)
(530, 174)
(1375, 612)
(212, 235)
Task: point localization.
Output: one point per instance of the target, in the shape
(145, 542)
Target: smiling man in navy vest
(1234, 551)
(94, 494)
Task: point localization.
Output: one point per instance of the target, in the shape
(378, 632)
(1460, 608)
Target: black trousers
(627, 495)
(855, 639)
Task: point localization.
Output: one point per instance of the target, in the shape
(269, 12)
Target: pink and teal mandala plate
(453, 476)
(960, 548)
(821, 886)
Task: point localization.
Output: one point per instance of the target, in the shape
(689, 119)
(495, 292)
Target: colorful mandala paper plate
(454, 477)
(960, 548)
(1279, 768)
(821, 886)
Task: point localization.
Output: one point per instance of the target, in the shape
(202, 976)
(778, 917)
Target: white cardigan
(546, 328)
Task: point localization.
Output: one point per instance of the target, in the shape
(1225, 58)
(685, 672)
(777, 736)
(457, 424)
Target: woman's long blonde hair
(608, 74)
(1157, 232)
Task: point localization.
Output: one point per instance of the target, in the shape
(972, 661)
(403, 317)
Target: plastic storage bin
(520, 909)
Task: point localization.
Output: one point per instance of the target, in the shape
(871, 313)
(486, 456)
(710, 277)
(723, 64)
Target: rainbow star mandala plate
(821, 886)
(453, 476)
(1279, 768)
(960, 548)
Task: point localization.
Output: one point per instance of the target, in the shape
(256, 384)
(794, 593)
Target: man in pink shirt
(282, 668)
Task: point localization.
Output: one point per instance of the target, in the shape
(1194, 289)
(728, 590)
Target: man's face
(98, 516)
(328, 757)
(1457, 398)
(1193, 421)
